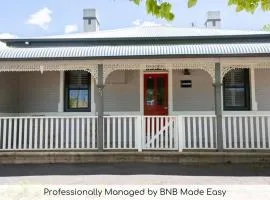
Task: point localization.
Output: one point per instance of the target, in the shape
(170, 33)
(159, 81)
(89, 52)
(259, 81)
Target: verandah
(180, 132)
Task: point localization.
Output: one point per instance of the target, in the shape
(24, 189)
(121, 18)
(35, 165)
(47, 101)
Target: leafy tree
(266, 27)
(163, 8)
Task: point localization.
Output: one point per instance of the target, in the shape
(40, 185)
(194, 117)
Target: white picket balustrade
(246, 131)
(179, 132)
(199, 132)
(48, 133)
(119, 132)
(134, 132)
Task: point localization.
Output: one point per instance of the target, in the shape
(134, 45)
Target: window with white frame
(236, 90)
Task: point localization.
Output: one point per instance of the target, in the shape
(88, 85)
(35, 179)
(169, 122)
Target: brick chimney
(90, 20)
(213, 19)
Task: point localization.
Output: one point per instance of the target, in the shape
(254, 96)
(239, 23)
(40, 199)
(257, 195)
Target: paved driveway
(134, 173)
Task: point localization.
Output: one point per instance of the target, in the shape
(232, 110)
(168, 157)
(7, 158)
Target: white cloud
(150, 23)
(41, 18)
(6, 36)
(138, 22)
(71, 28)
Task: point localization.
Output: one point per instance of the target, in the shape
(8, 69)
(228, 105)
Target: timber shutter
(236, 90)
(78, 79)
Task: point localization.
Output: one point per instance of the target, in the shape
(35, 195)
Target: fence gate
(160, 132)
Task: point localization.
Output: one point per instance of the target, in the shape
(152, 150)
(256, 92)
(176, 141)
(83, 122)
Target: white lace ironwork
(54, 65)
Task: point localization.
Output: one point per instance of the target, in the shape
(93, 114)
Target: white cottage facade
(140, 88)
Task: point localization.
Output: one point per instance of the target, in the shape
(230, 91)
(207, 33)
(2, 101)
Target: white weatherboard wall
(122, 94)
(28, 92)
(8, 92)
(39, 92)
(262, 88)
(200, 97)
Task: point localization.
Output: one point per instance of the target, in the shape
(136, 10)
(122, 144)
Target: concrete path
(134, 173)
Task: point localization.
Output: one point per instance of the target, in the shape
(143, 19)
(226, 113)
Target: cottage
(140, 88)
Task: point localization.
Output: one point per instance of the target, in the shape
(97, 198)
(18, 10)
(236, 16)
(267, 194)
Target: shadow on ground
(133, 169)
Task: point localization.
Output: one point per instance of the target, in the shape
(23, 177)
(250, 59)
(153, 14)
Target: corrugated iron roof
(135, 50)
(2, 45)
(155, 31)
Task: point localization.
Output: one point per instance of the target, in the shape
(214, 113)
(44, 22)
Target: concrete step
(28, 157)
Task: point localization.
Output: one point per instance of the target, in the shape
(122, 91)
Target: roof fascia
(215, 37)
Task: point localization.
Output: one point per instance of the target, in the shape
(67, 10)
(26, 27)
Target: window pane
(78, 99)
(236, 85)
(150, 99)
(160, 91)
(234, 97)
(235, 78)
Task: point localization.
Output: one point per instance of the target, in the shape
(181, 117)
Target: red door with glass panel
(156, 94)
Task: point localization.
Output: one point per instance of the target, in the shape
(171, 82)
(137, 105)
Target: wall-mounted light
(186, 72)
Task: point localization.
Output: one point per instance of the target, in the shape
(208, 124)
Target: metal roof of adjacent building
(156, 31)
(154, 48)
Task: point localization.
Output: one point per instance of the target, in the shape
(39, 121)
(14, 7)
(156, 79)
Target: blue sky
(24, 18)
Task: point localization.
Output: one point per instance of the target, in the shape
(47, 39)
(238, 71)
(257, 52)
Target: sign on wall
(186, 83)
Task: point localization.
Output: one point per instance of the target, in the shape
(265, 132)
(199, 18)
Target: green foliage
(192, 3)
(250, 5)
(266, 27)
(137, 2)
(265, 4)
(158, 8)
(163, 9)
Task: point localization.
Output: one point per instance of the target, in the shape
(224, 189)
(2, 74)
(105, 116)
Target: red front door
(156, 94)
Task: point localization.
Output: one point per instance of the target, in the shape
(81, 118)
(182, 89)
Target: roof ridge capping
(159, 28)
(149, 32)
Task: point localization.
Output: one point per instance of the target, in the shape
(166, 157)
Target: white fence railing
(120, 132)
(246, 132)
(134, 132)
(159, 132)
(199, 132)
(48, 133)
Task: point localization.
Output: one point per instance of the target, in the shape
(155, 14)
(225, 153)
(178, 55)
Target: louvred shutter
(234, 88)
(78, 79)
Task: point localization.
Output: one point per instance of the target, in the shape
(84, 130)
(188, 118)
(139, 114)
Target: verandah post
(100, 107)
(218, 106)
